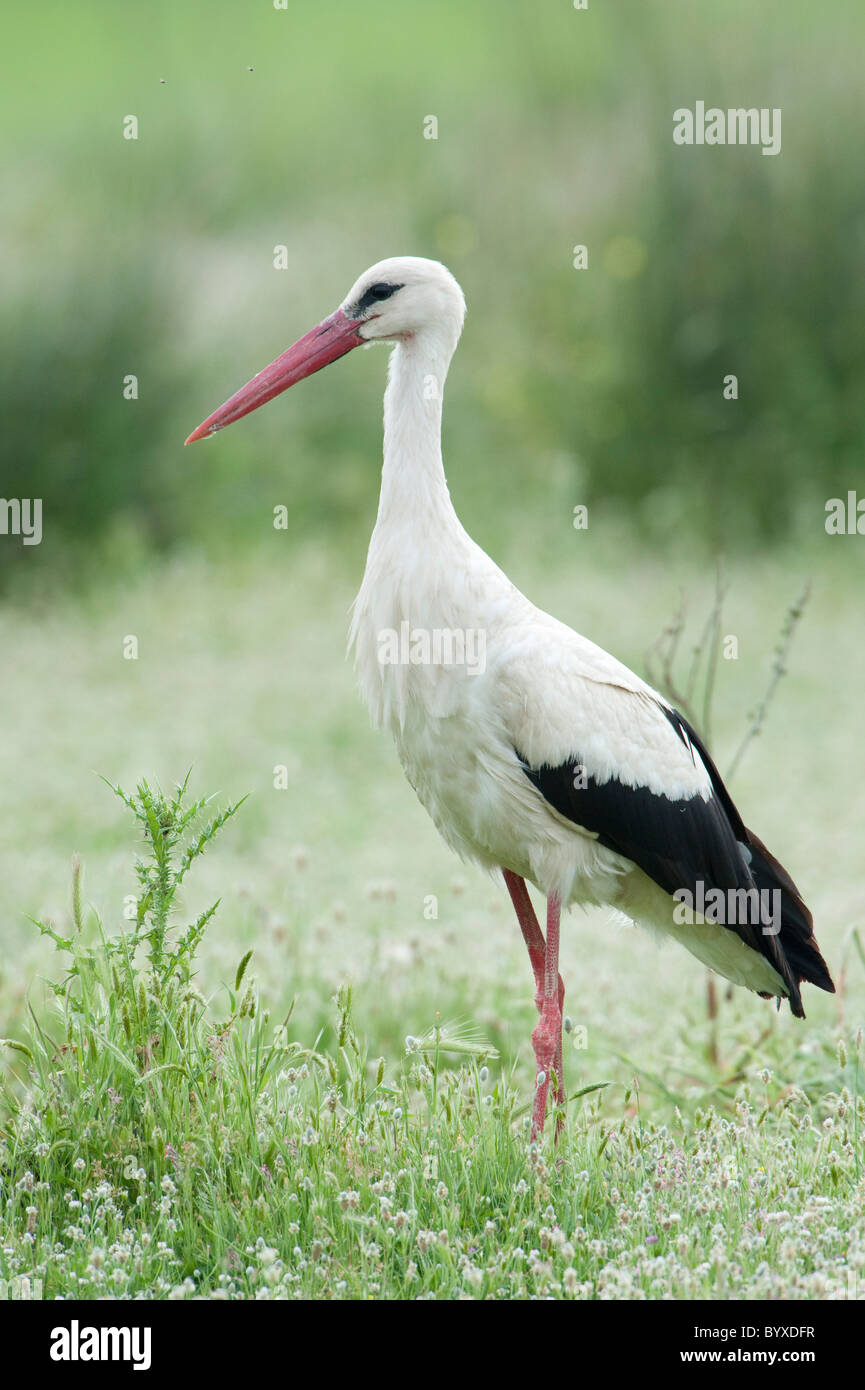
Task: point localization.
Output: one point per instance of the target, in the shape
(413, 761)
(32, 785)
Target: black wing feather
(681, 844)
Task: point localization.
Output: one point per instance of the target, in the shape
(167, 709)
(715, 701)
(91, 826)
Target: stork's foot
(547, 1043)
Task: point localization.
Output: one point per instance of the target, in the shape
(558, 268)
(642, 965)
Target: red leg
(532, 934)
(559, 1063)
(547, 1037)
(539, 957)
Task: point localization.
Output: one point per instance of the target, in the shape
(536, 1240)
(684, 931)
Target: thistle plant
(175, 844)
(127, 1031)
(145, 971)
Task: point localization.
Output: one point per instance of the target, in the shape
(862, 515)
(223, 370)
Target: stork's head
(405, 295)
(397, 300)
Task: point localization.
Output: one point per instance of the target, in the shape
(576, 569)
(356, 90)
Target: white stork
(541, 756)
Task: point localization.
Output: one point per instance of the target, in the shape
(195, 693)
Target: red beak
(333, 338)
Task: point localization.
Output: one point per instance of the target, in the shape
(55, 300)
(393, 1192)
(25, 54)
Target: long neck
(413, 486)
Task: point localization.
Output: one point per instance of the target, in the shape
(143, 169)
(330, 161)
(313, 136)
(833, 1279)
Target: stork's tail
(796, 938)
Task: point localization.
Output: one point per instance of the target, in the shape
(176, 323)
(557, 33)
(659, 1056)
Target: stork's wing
(676, 839)
(632, 771)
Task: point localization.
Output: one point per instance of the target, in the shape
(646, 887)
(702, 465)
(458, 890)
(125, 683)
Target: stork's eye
(374, 295)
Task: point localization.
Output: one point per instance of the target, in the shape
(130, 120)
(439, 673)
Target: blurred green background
(604, 386)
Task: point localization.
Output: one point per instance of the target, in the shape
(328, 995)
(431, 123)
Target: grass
(171, 1148)
(344, 1113)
